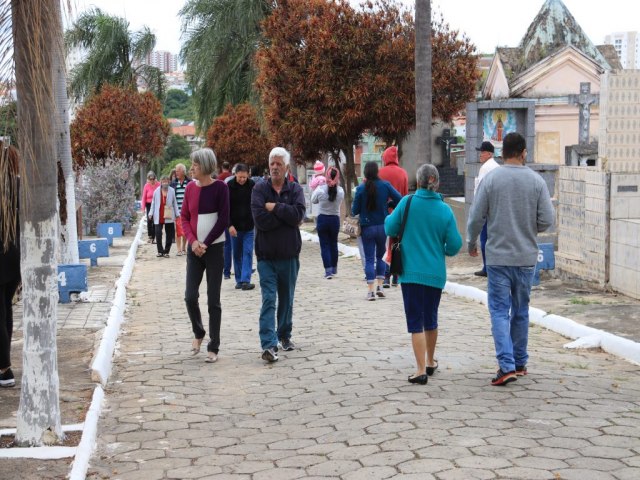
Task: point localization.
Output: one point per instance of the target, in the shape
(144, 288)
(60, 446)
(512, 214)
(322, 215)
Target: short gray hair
(206, 159)
(282, 153)
(428, 177)
(181, 165)
(150, 174)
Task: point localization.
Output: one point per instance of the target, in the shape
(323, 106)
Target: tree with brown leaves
(236, 136)
(119, 122)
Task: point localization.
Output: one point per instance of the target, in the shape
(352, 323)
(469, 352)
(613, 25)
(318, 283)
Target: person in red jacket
(397, 176)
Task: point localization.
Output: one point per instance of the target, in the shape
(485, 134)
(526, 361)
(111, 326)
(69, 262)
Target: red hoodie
(394, 173)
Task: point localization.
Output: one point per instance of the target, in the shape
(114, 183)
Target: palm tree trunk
(68, 229)
(35, 32)
(423, 81)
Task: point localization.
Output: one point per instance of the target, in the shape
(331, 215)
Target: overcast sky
(488, 23)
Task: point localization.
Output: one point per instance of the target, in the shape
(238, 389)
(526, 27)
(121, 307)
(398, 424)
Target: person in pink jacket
(145, 201)
(318, 176)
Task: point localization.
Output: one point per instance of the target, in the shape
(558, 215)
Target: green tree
(8, 122)
(115, 55)
(177, 147)
(221, 41)
(179, 104)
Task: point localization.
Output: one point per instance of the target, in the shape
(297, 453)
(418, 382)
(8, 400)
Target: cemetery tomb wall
(625, 257)
(583, 223)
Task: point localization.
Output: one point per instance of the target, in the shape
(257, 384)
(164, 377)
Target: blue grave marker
(546, 260)
(110, 231)
(93, 249)
(71, 279)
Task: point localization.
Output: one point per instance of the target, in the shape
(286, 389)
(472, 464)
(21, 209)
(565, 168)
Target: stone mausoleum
(599, 206)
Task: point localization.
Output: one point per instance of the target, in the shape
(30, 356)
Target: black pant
(150, 228)
(169, 229)
(212, 262)
(7, 291)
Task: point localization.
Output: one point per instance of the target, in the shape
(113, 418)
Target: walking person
(241, 228)
(224, 175)
(488, 164)
(430, 234)
(205, 217)
(163, 212)
(9, 255)
(514, 201)
(145, 201)
(329, 197)
(397, 176)
(372, 201)
(278, 208)
(179, 186)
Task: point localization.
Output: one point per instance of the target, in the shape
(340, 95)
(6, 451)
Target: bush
(107, 192)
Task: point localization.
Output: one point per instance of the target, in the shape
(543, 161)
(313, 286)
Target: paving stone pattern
(340, 406)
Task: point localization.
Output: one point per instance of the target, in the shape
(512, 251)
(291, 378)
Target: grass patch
(583, 301)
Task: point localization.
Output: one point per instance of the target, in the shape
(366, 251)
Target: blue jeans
(243, 255)
(374, 243)
(277, 280)
(483, 244)
(328, 228)
(228, 254)
(509, 289)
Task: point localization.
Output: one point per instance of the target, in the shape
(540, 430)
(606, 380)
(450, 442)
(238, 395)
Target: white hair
(280, 152)
(428, 177)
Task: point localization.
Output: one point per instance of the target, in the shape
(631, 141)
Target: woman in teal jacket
(429, 235)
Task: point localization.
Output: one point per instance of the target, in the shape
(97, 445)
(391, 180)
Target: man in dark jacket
(278, 208)
(241, 228)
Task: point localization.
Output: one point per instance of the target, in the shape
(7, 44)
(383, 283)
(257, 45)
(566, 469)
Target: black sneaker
(480, 273)
(287, 345)
(379, 292)
(238, 286)
(502, 378)
(7, 379)
(386, 283)
(270, 355)
(521, 371)
(248, 286)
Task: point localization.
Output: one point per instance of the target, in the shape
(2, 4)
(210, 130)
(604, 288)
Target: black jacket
(277, 232)
(240, 205)
(10, 260)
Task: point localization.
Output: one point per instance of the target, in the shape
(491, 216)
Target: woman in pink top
(145, 201)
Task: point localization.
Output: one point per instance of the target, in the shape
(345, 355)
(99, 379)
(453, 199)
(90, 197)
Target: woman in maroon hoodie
(205, 217)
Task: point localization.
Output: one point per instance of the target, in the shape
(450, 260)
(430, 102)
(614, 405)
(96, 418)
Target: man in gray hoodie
(515, 203)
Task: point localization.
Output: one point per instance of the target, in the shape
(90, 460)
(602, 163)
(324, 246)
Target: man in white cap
(488, 163)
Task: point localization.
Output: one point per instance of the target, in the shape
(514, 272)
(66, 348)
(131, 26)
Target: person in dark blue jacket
(372, 201)
(278, 208)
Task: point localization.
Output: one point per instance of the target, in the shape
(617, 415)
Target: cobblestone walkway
(340, 405)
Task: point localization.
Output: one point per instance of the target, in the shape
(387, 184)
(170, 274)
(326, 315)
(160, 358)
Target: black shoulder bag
(396, 257)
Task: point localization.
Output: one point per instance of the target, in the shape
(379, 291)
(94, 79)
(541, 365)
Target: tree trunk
(349, 175)
(423, 82)
(35, 32)
(68, 228)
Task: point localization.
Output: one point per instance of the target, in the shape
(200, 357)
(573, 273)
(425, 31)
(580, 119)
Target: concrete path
(340, 405)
